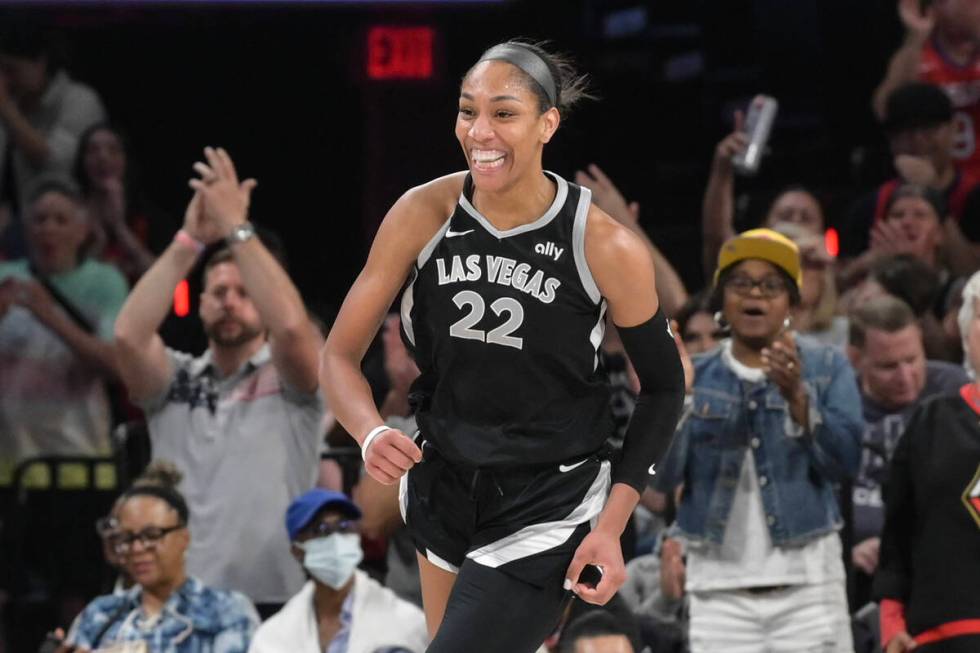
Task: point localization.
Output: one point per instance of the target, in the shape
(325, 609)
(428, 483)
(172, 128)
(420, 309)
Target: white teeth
(487, 156)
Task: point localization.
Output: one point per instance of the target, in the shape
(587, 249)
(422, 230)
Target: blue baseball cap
(307, 505)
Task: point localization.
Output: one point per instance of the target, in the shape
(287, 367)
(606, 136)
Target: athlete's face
(758, 312)
(892, 366)
(500, 126)
(229, 316)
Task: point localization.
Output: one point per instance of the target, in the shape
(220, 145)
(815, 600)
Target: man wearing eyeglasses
(340, 609)
(166, 611)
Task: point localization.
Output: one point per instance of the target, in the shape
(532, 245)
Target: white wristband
(375, 432)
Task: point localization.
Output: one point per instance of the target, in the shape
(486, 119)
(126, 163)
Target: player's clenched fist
(389, 454)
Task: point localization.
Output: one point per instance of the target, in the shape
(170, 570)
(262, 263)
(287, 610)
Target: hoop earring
(787, 323)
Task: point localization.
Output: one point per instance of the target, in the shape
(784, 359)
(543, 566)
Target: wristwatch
(240, 234)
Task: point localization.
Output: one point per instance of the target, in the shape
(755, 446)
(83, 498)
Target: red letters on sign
(400, 52)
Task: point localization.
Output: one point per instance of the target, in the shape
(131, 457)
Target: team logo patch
(971, 497)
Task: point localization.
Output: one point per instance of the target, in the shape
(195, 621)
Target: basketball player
(510, 270)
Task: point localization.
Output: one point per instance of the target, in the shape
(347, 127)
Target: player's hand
(602, 549)
(918, 23)
(865, 555)
(731, 145)
(673, 572)
(606, 196)
(901, 643)
(391, 454)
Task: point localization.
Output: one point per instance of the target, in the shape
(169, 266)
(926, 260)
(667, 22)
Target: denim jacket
(797, 468)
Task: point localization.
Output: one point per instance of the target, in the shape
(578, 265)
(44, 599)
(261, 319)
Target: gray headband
(528, 61)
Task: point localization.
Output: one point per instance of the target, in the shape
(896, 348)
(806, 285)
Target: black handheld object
(590, 576)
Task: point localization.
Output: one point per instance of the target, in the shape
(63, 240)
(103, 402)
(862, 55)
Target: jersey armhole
(578, 245)
(408, 296)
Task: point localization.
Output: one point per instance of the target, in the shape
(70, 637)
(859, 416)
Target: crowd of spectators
(824, 476)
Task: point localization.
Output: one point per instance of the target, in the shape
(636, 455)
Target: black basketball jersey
(505, 327)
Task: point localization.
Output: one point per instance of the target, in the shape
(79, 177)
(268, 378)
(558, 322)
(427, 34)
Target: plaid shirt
(196, 619)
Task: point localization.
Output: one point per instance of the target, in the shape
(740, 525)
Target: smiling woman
(775, 424)
(508, 272)
(165, 607)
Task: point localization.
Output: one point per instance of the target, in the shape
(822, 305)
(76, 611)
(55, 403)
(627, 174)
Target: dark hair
(572, 87)
(594, 623)
(717, 298)
(168, 495)
(909, 279)
(916, 105)
(54, 184)
(885, 313)
(699, 302)
(932, 196)
(272, 241)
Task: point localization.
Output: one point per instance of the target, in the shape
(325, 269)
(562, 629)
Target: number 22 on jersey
(474, 308)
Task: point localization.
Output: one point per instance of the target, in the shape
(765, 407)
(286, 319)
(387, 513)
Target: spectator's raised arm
(294, 339)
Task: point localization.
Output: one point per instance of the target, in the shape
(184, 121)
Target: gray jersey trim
(548, 216)
(578, 245)
(408, 297)
(537, 538)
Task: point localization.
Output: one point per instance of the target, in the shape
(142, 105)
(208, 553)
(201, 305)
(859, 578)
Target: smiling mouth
(487, 159)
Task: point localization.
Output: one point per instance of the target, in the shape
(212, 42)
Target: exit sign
(400, 52)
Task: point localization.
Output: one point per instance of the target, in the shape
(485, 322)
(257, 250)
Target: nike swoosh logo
(568, 468)
(452, 234)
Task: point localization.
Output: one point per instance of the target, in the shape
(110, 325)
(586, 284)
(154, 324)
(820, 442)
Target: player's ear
(550, 120)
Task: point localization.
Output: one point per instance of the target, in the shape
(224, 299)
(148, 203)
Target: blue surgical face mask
(332, 559)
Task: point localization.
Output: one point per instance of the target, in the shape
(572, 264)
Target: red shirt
(962, 85)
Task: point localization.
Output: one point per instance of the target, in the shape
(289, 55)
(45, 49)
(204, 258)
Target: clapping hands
(220, 201)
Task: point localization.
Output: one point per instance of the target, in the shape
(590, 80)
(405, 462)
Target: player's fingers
(377, 473)
(582, 178)
(395, 456)
(386, 466)
(405, 445)
(574, 569)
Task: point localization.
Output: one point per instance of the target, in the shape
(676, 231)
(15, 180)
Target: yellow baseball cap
(764, 244)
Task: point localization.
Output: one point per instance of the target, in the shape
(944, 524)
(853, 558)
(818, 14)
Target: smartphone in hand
(758, 125)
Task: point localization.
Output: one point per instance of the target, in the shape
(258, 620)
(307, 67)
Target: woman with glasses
(773, 423)
(166, 610)
(340, 608)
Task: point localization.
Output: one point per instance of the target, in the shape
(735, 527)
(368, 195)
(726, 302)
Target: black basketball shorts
(524, 521)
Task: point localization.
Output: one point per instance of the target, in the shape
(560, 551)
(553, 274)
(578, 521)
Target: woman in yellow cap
(773, 423)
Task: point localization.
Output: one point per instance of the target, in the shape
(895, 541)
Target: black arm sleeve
(653, 353)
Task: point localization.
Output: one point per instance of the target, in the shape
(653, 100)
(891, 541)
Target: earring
(720, 321)
(787, 323)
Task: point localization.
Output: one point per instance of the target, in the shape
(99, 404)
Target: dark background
(282, 87)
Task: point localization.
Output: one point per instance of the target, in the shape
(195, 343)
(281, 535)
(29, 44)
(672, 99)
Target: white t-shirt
(747, 557)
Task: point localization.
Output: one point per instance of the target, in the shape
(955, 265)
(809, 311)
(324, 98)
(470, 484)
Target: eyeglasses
(149, 538)
(769, 287)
